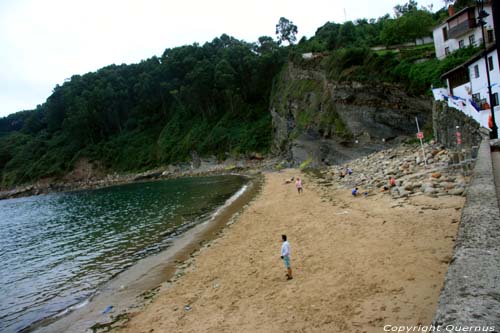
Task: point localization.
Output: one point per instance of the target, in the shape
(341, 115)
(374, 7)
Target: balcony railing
(462, 28)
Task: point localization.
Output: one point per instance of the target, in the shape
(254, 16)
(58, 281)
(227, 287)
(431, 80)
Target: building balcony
(461, 29)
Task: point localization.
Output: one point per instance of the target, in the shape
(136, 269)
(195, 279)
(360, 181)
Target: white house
(461, 30)
(467, 84)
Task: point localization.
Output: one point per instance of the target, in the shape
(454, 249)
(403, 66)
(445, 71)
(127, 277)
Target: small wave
(72, 308)
(229, 201)
(50, 319)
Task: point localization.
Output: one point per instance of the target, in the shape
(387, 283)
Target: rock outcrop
(332, 122)
(442, 172)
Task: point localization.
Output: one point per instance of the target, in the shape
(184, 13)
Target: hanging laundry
(440, 94)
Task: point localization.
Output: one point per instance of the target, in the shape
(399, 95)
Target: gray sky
(43, 42)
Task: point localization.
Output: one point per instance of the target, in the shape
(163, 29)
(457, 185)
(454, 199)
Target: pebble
(406, 165)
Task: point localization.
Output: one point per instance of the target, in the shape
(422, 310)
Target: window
(472, 40)
(476, 71)
(490, 63)
(476, 98)
(445, 34)
(446, 50)
(490, 37)
(461, 44)
(494, 99)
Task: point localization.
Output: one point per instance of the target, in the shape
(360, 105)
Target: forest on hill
(212, 99)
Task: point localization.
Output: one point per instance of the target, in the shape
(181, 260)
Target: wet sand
(135, 287)
(359, 263)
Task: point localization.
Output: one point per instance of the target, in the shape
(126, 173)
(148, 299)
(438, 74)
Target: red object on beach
(420, 135)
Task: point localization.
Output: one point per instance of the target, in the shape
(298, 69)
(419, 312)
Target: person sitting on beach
(349, 171)
(285, 255)
(354, 192)
(341, 174)
(392, 181)
(298, 184)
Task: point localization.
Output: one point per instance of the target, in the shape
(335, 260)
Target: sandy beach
(359, 263)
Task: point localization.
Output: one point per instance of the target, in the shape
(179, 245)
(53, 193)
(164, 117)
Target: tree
(413, 24)
(286, 31)
(347, 34)
(265, 45)
(401, 10)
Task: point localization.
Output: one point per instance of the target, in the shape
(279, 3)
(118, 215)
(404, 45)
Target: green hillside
(212, 99)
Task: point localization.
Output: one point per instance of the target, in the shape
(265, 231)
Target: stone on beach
(405, 163)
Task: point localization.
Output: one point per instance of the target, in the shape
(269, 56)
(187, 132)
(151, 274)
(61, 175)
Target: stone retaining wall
(444, 123)
(471, 293)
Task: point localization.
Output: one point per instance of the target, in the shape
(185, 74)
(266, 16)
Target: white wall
(437, 34)
(423, 40)
(453, 44)
(461, 91)
(489, 19)
(495, 73)
(480, 85)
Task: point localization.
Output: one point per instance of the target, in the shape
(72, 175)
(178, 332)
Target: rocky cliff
(322, 121)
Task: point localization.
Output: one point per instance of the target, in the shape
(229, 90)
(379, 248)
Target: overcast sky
(43, 42)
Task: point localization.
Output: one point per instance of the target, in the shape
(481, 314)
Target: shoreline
(357, 262)
(47, 186)
(136, 286)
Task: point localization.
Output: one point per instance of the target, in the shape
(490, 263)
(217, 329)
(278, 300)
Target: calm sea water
(55, 250)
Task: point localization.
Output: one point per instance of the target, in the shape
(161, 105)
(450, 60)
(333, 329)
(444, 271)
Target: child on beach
(354, 192)
(392, 181)
(298, 184)
(285, 255)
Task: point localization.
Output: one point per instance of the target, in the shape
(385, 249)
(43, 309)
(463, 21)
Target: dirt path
(359, 264)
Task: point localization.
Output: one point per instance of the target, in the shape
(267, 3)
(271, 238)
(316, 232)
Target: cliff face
(328, 122)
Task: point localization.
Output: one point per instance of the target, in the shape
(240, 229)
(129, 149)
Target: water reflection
(56, 249)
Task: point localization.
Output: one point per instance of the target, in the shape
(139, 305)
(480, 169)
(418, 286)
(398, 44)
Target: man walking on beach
(285, 255)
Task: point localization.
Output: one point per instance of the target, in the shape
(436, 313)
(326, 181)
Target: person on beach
(354, 192)
(285, 255)
(392, 181)
(298, 184)
(349, 171)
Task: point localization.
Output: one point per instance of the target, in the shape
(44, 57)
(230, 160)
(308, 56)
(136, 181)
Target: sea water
(57, 249)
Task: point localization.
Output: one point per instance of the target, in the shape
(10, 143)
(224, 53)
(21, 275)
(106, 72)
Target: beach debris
(187, 308)
(345, 212)
(107, 309)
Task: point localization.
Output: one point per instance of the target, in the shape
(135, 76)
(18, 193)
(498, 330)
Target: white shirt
(285, 249)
